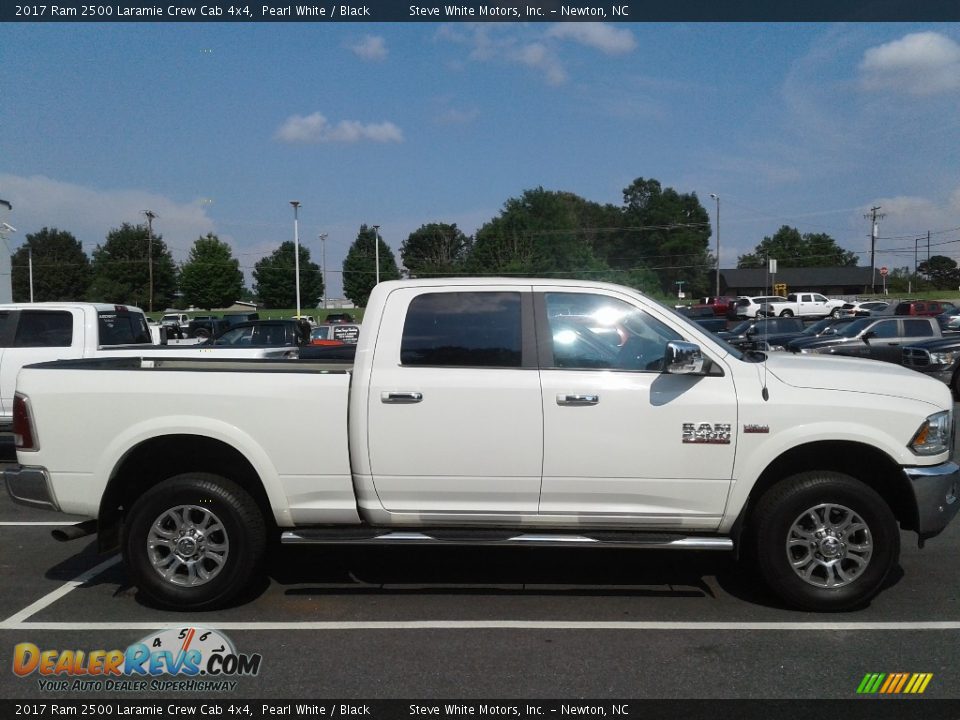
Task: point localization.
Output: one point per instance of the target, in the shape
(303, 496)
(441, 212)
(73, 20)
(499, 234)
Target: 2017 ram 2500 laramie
(505, 411)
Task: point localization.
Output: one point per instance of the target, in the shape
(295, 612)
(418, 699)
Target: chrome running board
(451, 536)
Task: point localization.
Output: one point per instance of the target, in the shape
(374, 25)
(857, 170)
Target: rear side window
(917, 328)
(123, 328)
(463, 329)
(44, 328)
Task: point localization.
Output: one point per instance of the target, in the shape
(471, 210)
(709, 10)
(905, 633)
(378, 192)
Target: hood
(831, 372)
(944, 343)
(822, 341)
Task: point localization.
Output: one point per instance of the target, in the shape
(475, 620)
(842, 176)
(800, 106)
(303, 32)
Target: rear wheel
(824, 541)
(194, 541)
(201, 333)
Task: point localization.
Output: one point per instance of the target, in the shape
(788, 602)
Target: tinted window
(598, 332)
(7, 323)
(917, 328)
(466, 329)
(123, 328)
(44, 328)
(886, 329)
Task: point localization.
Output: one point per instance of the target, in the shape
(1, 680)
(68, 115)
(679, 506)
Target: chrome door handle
(401, 398)
(578, 399)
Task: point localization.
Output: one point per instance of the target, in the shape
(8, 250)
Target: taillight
(23, 436)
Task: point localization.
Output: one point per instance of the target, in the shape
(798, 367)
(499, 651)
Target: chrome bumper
(30, 486)
(935, 490)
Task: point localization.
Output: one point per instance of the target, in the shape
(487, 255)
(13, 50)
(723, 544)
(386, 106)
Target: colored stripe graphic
(894, 683)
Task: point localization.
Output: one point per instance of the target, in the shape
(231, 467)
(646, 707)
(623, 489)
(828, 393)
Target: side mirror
(683, 358)
(867, 335)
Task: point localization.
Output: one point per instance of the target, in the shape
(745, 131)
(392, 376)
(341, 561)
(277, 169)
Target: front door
(624, 442)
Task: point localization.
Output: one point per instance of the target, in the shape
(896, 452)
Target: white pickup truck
(37, 332)
(807, 305)
(497, 411)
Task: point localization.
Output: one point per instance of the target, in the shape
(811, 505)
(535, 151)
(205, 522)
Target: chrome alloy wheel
(187, 545)
(829, 546)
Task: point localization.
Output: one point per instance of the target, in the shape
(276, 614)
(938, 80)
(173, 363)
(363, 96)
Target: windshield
(818, 327)
(854, 328)
(742, 328)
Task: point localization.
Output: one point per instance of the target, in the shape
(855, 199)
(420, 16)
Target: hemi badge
(756, 429)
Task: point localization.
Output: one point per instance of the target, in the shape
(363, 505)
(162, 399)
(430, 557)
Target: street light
(717, 198)
(323, 259)
(376, 255)
(296, 249)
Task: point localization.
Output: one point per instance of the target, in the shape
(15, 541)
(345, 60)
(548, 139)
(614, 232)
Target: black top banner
(323, 11)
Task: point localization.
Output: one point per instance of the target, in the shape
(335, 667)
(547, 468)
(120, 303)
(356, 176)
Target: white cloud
(609, 39)
(926, 63)
(370, 47)
(455, 116)
(534, 48)
(90, 213)
(316, 128)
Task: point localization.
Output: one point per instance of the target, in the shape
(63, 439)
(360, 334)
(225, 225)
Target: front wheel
(824, 541)
(835, 313)
(194, 541)
(786, 313)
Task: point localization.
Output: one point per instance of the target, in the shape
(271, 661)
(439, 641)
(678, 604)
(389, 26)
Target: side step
(451, 536)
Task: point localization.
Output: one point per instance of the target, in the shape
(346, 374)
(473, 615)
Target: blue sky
(216, 127)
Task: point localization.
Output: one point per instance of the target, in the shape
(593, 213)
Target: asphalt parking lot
(371, 623)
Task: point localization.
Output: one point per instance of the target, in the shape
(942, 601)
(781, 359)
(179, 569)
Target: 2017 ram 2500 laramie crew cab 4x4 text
(500, 411)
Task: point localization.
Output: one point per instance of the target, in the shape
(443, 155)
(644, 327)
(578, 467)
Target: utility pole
(323, 259)
(928, 246)
(150, 216)
(717, 198)
(873, 245)
(30, 263)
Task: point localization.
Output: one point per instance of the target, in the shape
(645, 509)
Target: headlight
(776, 347)
(934, 435)
(943, 358)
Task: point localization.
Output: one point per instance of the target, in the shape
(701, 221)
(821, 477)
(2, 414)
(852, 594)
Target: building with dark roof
(826, 280)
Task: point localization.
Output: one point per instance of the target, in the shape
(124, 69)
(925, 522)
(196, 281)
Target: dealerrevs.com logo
(900, 683)
(201, 659)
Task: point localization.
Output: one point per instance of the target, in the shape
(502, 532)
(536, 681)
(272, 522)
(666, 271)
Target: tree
(61, 269)
(941, 271)
(437, 249)
(121, 271)
(211, 277)
(540, 233)
(359, 267)
(276, 279)
(666, 231)
(791, 249)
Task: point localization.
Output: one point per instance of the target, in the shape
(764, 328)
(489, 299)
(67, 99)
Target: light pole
(323, 259)
(376, 252)
(717, 198)
(296, 249)
(150, 218)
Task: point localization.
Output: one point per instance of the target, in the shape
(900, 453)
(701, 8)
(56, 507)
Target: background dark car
(949, 321)
(827, 326)
(751, 334)
(265, 333)
(874, 338)
(339, 318)
(938, 358)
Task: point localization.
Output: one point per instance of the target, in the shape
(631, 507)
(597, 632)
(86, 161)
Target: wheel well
(153, 461)
(867, 464)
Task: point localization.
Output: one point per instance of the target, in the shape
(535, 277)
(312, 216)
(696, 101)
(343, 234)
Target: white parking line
(61, 523)
(50, 598)
(13, 623)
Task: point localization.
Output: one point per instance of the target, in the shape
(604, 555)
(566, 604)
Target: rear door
(624, 442)
(454, 414)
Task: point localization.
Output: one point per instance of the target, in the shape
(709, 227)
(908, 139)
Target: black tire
(955, 385)
(201, 333)
(787, 313)
(215, 527)
(784, 534)
(835, 313)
